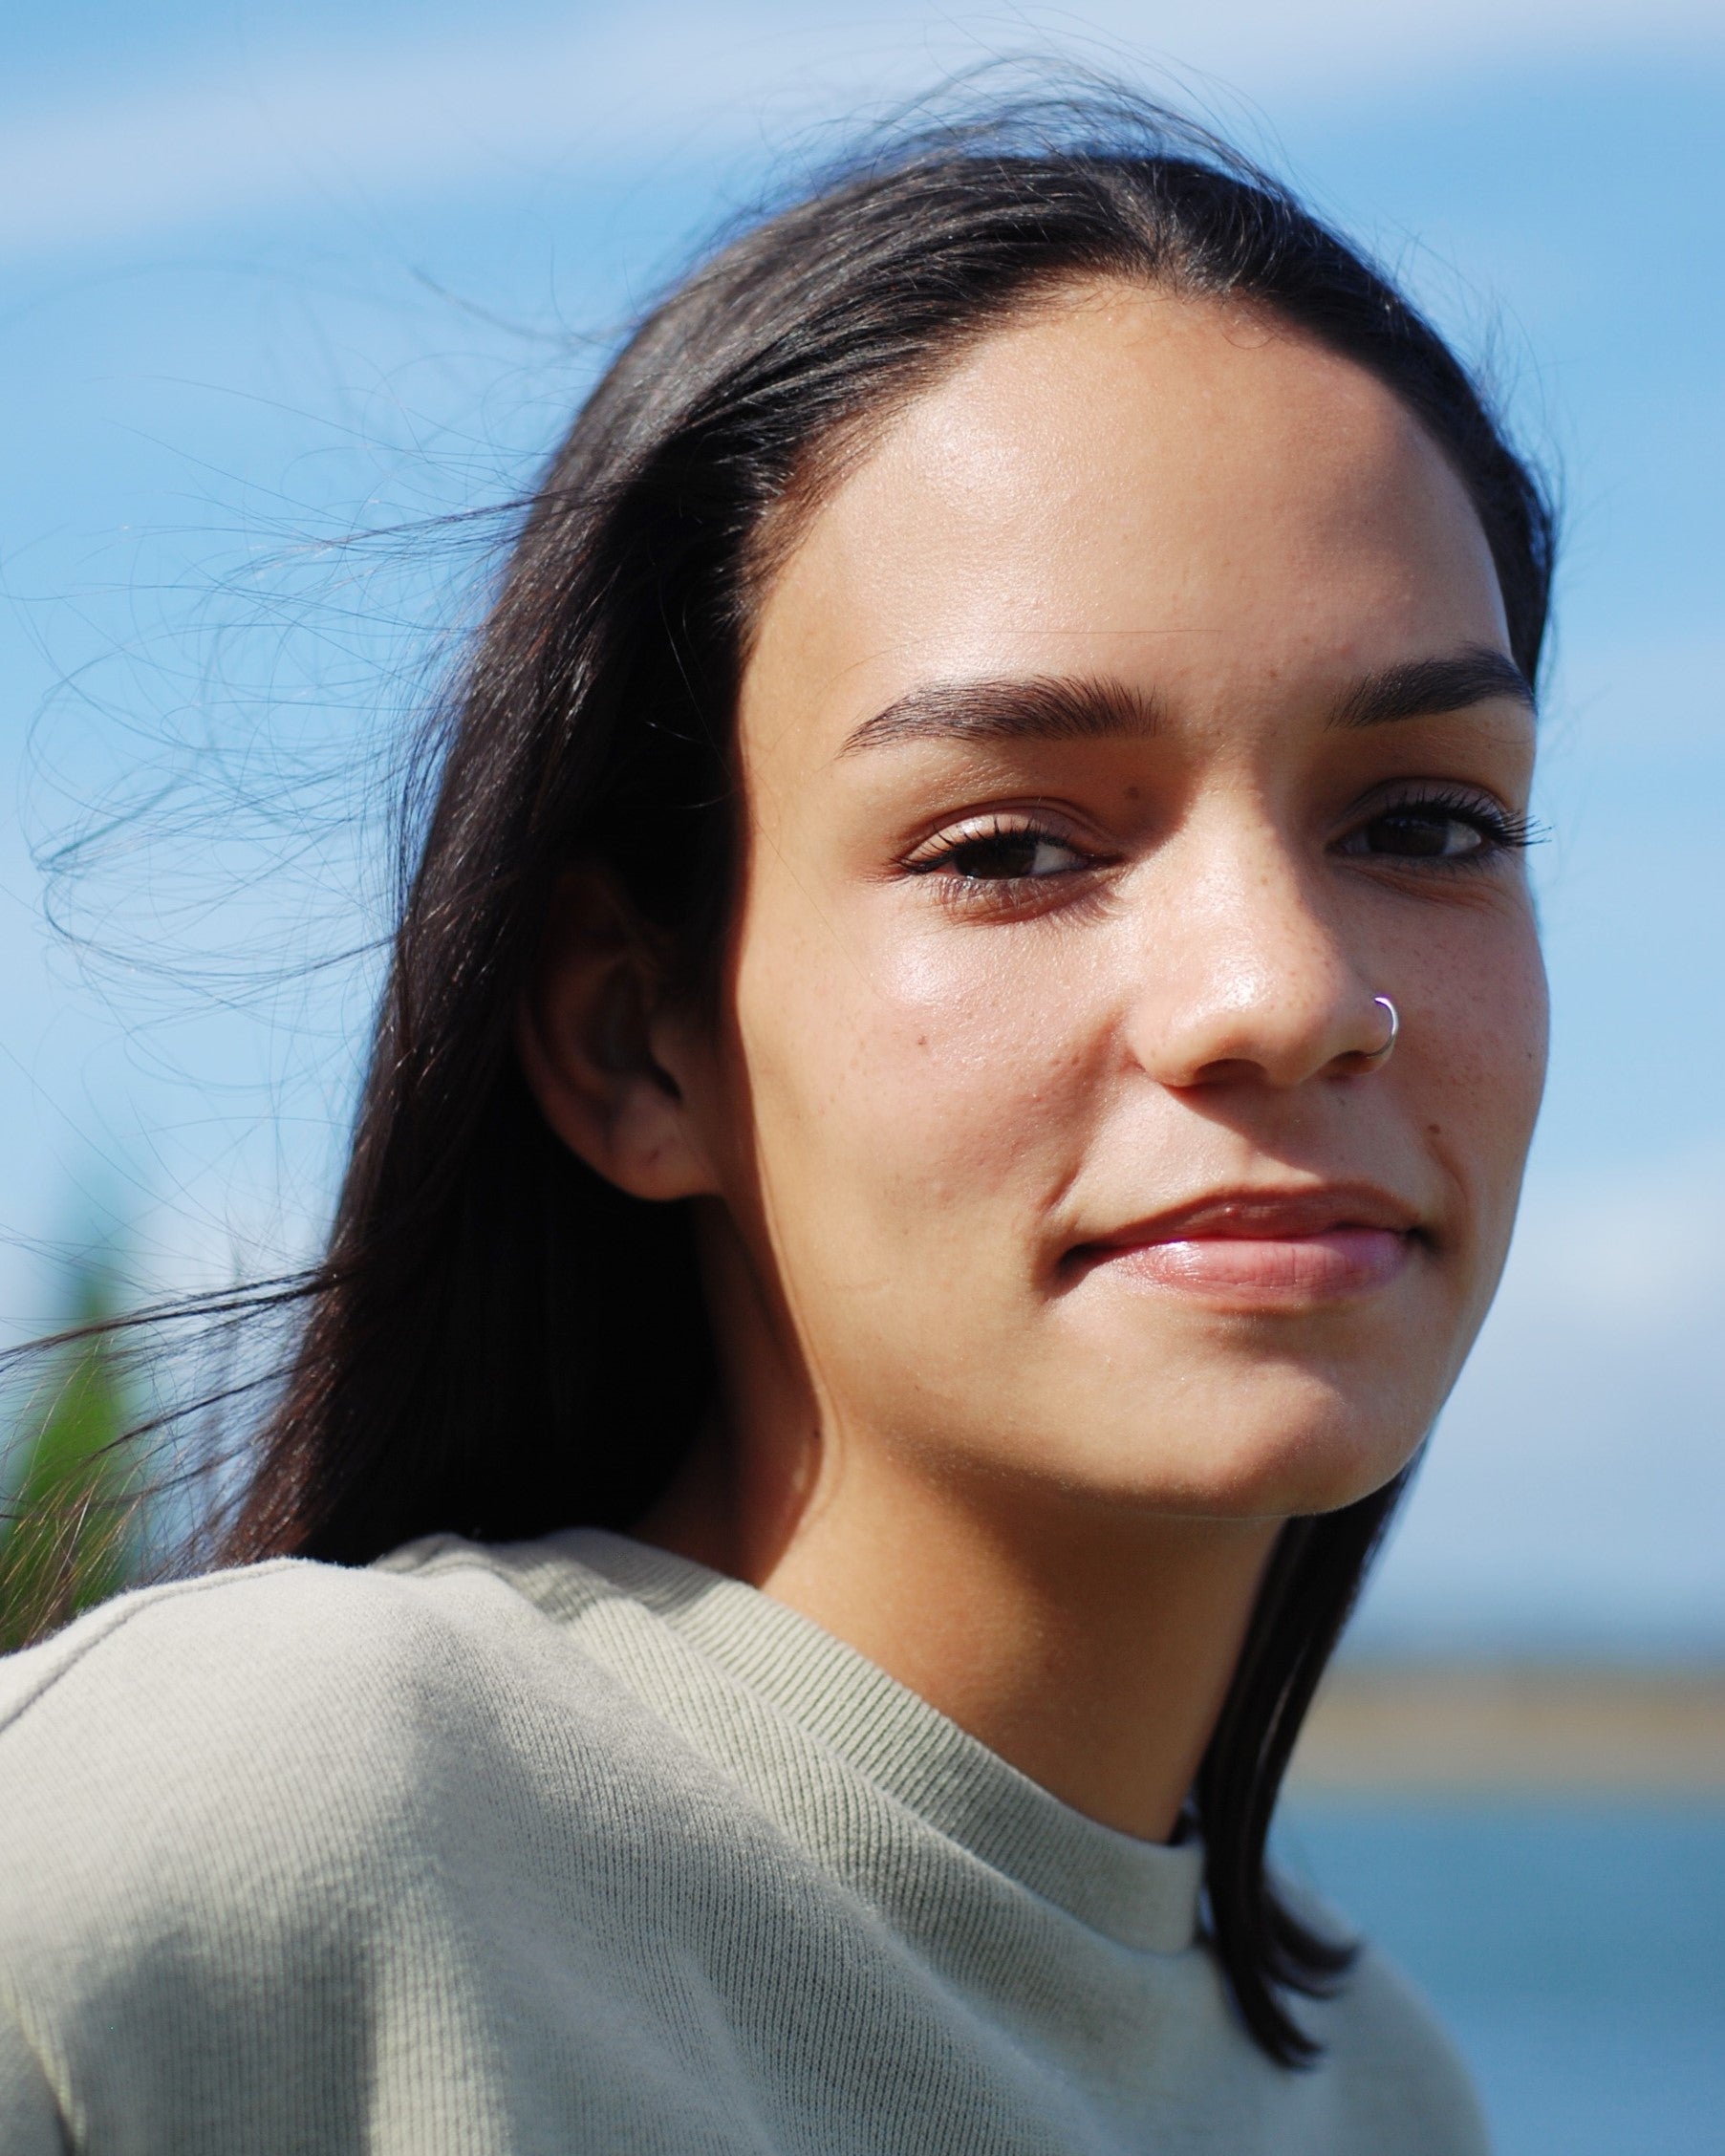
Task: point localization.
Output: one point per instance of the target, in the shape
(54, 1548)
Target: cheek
(1484, 1070)
(1507, 1015)
(905, 1085)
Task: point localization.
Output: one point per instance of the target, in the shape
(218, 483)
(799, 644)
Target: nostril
(1226, 1070)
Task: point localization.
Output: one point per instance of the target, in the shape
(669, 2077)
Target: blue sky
(270, 276)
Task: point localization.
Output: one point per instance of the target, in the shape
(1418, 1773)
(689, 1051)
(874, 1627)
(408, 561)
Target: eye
(1452, 828)
(999, 853)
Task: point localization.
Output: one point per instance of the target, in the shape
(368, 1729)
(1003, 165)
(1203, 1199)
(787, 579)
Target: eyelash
(995, 830)
(1502, 832)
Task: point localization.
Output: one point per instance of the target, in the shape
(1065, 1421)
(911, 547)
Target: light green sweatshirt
(574, 1846)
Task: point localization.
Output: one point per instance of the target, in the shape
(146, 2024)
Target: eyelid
(1462, 795)
(1506, 830)
(1043, 819)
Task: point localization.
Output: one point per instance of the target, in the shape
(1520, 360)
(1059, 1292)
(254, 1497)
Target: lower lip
(1328, 1268)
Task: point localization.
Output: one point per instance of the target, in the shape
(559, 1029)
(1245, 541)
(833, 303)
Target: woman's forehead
(1165, 491)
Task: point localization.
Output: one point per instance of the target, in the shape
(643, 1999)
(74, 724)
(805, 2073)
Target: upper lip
(1266, 1215)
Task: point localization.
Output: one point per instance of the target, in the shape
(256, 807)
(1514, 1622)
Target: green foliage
(68, 1519)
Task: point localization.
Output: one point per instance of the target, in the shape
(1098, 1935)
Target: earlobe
(591, 1036)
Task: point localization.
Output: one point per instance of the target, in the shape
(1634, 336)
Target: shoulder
(1406, 2087)
(207, 1667)
(278, 1734)
(288, 1833)
(213, 1662)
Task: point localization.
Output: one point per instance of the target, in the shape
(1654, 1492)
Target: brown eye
(1422, 834)
(1004, 855)
(1454, 828)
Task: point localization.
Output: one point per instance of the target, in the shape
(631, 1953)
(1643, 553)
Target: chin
(1240, 1462)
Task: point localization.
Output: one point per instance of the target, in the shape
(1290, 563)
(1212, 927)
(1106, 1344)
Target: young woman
(950, 1101)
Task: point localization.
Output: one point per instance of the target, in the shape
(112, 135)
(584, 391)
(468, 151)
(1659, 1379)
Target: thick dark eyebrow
(1042, 708)
(1426, 688)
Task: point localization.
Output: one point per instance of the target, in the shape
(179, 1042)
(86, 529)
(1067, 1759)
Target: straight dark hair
(499, 1344)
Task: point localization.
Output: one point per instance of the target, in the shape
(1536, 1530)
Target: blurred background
(281, 289)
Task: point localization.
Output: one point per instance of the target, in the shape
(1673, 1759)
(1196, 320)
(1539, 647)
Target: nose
(1247, 976)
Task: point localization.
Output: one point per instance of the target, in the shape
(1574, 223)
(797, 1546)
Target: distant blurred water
(1575, 1950)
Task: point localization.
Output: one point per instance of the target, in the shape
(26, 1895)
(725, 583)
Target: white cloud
(529, 100)
(1575, 1491)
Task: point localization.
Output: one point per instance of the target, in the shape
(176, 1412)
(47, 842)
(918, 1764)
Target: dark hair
(498, 1343)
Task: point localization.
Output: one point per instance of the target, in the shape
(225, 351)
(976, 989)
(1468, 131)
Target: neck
(1089, 1643)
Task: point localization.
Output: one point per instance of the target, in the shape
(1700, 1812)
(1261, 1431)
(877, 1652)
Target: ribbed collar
(1142, 1894)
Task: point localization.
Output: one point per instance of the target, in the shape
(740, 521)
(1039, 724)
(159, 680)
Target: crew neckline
(1140, 1895)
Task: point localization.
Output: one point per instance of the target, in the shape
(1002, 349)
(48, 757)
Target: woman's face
(1134, 712)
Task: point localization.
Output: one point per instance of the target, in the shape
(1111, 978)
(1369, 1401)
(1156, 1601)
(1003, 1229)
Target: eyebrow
(1426, 688)
(1046, 707)
(1040, 708)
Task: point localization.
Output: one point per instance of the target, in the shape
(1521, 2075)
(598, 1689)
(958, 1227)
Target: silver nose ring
(1371, 1058)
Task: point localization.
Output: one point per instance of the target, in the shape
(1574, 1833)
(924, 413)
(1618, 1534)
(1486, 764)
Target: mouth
(1263, 1249)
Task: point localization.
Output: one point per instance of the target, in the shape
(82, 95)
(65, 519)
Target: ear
(603, 1053)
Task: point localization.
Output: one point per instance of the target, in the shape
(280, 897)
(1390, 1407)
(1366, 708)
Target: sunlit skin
(1062, 1240)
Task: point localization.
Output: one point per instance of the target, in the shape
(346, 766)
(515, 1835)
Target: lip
(1263, 1248)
